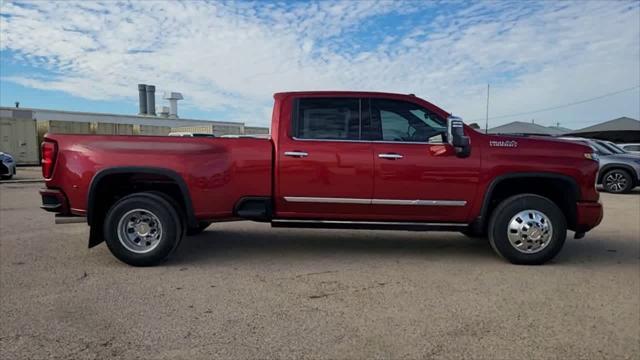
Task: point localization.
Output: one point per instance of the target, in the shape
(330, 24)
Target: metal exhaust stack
(142, 99)
(151, 100)
(173, 98)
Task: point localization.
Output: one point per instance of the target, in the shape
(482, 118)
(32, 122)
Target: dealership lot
(244, 290)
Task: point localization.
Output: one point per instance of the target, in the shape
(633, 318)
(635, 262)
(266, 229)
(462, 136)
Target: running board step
(368, 225)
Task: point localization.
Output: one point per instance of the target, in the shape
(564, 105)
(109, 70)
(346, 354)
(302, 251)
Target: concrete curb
(25, 181)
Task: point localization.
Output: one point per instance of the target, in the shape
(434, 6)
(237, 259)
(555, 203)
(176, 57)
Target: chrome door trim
(360, 201)
(326, 200)
(419, 202)
(371, 141)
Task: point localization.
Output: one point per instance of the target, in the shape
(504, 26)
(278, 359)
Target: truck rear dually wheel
(527, 229)
(142, 229)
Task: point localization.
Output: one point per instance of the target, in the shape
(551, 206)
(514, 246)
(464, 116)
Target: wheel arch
(567, 204)
(103, 176)
(628, 168)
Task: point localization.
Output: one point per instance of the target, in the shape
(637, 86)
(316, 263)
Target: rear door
(324, 170)
(417, 175)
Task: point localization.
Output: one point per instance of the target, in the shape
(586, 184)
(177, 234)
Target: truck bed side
(216, 173)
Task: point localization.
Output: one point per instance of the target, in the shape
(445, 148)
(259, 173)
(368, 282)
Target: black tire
(6, 177)
(202, 226)
(508, 209)
(167, 217)
(617, 181)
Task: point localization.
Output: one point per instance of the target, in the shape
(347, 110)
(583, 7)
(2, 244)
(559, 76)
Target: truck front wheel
(527, 229)
(142, 229)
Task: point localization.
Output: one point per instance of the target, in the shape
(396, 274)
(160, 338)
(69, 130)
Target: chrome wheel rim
(139, 231)
(616, 182)
(530, 231)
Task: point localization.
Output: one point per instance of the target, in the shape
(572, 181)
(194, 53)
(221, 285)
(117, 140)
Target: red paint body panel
(220, 171)
(589, 215)
(426, 171)
(217, 172)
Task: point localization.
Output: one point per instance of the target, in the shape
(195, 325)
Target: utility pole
(486, 124)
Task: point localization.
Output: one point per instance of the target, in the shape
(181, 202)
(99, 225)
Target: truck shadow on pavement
(226, 244)
(213, 245)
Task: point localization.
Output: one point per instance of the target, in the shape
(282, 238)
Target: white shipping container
(19, 137)
(154, 130)
(113, 129)
(217, 129)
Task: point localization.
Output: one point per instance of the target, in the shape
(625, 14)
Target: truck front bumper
(588, 216)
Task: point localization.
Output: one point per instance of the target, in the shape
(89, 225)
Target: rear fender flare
(174, 176)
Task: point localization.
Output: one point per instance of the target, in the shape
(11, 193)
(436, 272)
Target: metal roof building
(520, 127)
(22, 129)
(62, 115)
(620, 130)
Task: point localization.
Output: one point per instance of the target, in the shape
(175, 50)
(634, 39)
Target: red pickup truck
(357, 160)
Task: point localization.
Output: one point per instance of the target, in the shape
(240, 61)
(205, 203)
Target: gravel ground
(244, 290)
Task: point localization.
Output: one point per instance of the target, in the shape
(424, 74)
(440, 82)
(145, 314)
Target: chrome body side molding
(368, 225)
(326, 200)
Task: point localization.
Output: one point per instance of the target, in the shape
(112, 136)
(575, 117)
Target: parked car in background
(7, 166)
(614, 148)
(619, 172)
(631, 148)
(190, 134)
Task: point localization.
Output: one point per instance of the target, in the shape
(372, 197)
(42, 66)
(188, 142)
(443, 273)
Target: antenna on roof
(486, 124)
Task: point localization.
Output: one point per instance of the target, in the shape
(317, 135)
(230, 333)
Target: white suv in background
(631, 148)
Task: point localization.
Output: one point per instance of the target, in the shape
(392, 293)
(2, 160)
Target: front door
(324, 170)
(417, 175)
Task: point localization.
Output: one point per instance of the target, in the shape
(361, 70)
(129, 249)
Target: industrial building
(22, 129)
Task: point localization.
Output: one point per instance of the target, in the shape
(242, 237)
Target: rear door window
(327, 119)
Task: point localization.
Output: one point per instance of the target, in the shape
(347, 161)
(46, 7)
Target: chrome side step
(368, 225)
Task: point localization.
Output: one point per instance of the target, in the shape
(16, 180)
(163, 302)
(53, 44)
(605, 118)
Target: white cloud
(233, 56)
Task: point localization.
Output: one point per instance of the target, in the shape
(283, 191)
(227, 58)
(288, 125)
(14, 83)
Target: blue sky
(228, 58)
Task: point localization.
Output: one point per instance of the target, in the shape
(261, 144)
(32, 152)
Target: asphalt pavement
(243, 290)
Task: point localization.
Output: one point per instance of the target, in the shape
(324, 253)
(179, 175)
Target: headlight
(592, 156)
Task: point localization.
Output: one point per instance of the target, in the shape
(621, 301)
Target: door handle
(390, 156)
(296, 154)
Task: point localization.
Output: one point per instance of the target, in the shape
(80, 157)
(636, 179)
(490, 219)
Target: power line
(561, 106)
